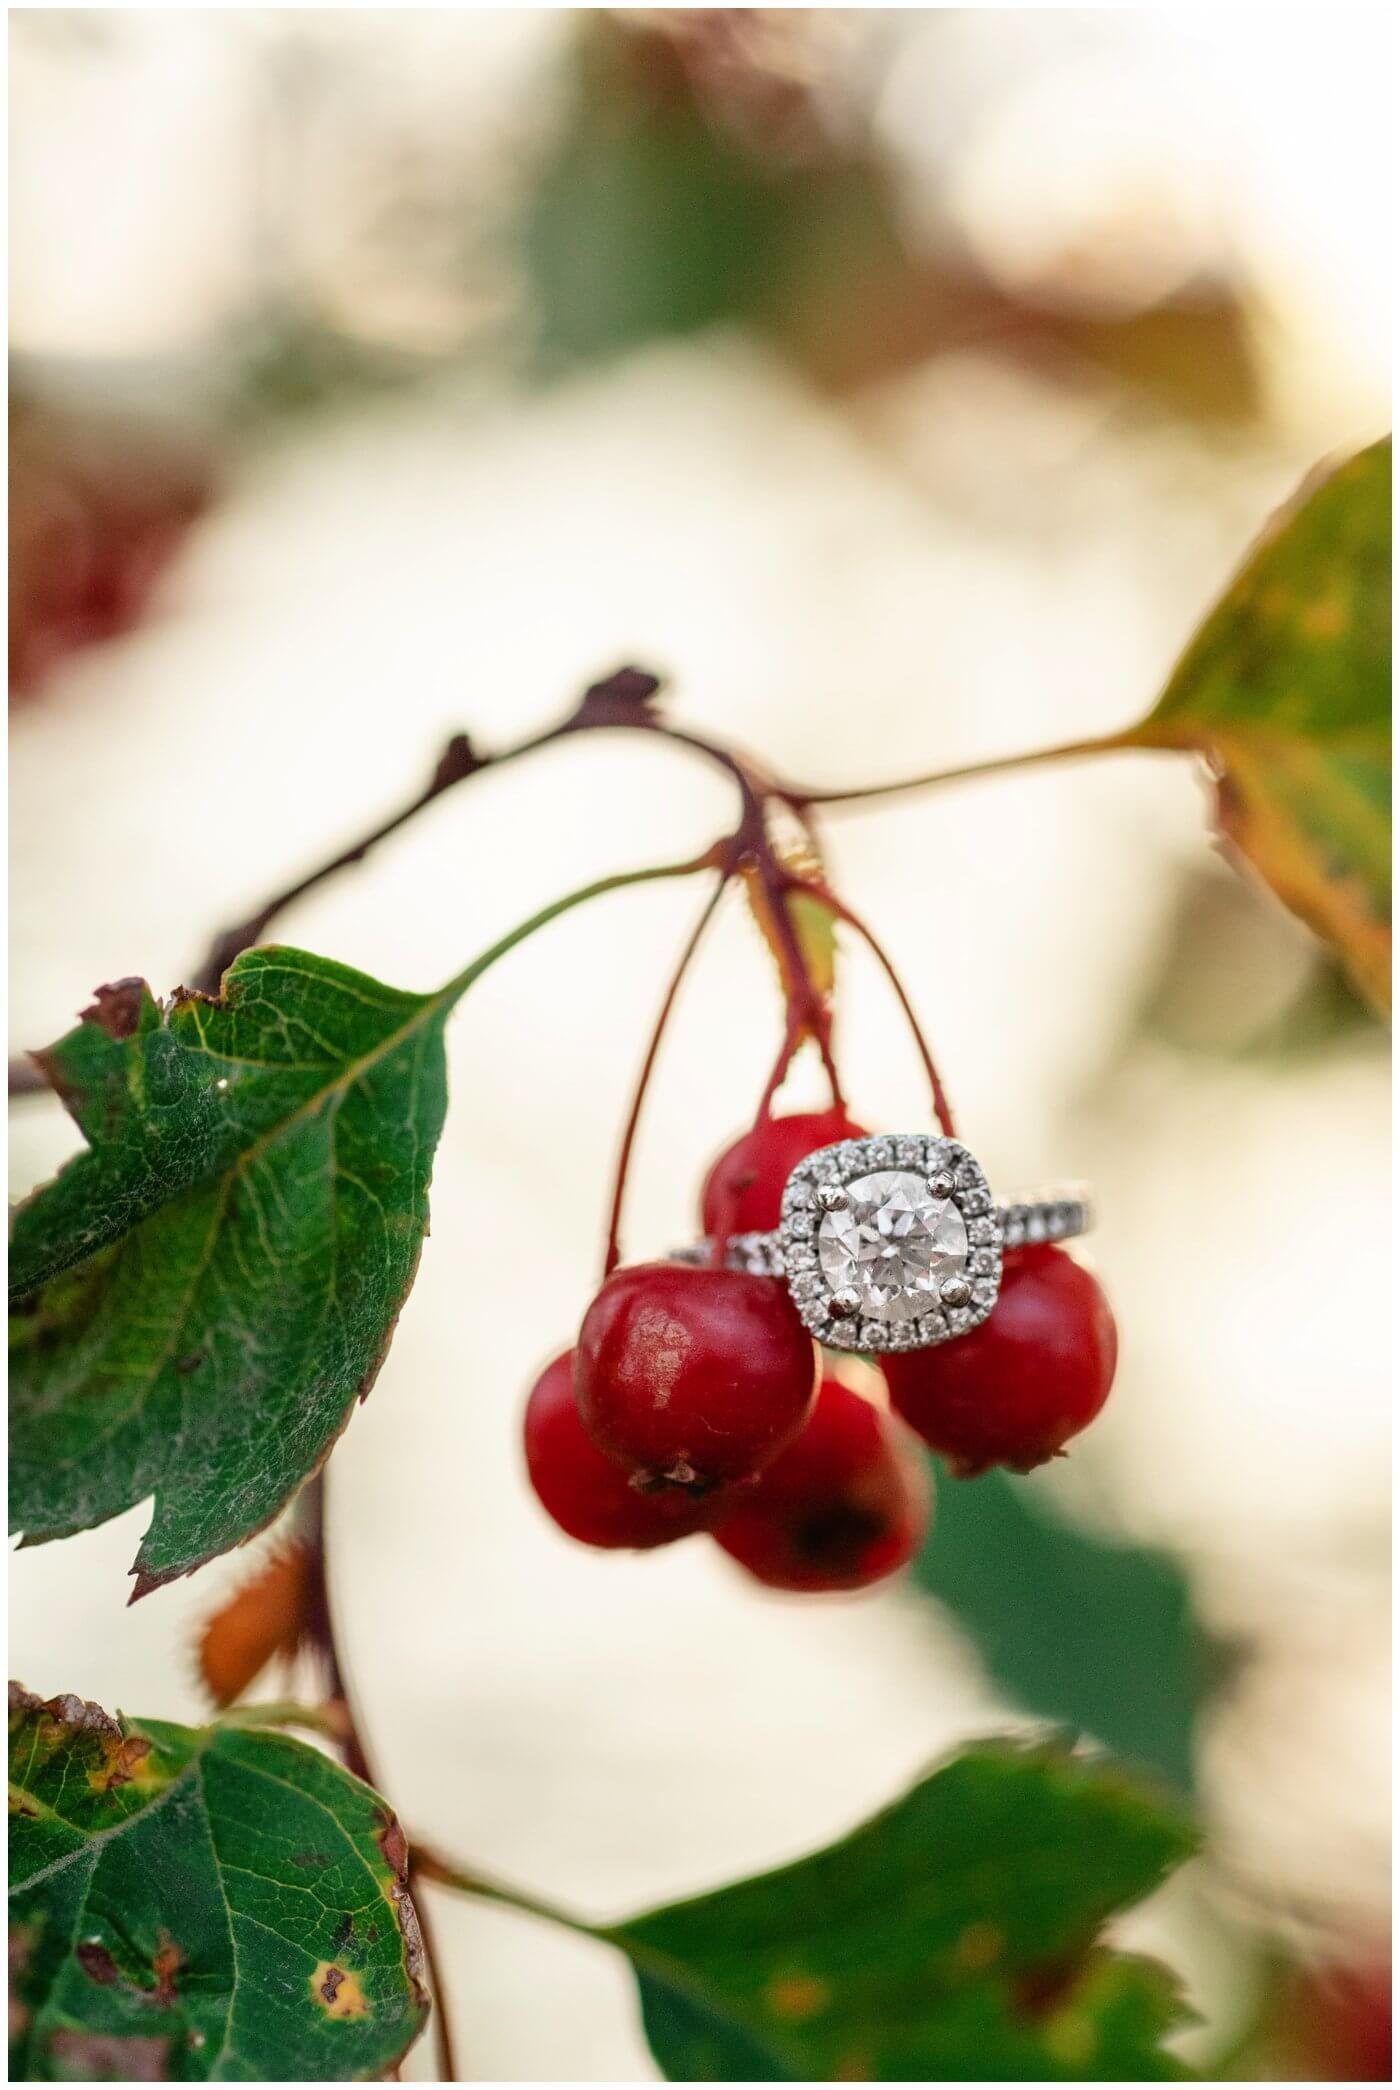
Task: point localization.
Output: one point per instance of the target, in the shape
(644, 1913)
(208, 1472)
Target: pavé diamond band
(895, 1242)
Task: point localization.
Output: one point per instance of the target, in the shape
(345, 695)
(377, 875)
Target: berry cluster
(694, 1399)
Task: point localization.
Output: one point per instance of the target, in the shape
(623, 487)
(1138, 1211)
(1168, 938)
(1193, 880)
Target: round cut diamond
(894, 1244)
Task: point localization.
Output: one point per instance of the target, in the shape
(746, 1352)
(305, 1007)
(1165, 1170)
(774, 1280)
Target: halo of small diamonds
(927, 1157)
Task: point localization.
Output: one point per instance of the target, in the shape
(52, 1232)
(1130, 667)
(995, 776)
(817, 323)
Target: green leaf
(652, 217)
(210, 1904)
(953, 1937)
(1286, 688)
(1080, 1629)
(206, 1290)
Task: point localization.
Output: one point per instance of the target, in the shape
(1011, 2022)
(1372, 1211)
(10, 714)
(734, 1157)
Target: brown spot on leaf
(122, 1757)
(165, 1966)
(394, 1845)
(854, 2068)
(796, 1995)
(979, 1947)
(414, 1958)
(338, 1991)
(1039, 1989)
(117, 1007)
(1325, 619)
(344, 1932)
(106, 2057)
(266, 1617)
(66, 1714)
(183, 996)
(96, 1962)
(310, 1859)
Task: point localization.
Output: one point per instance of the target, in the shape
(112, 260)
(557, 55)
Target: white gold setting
(894, 1242)
(898, 1245)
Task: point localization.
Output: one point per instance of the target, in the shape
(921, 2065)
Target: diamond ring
(894, 1243)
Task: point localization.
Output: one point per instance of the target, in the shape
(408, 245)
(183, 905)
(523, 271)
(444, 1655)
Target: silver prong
(941, 1185)
(955, 1291)
(831, 1197)
(845, 1303)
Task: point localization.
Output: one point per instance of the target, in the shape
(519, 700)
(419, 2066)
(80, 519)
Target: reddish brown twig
(843, 913)
(321, 1633)
(613, 1253)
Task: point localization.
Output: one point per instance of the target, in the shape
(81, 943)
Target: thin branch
(311, 1515)
(613, 1254)
(843, 913)
(26, 1080)
(621, 701)
(457, 761)
(1000, 765)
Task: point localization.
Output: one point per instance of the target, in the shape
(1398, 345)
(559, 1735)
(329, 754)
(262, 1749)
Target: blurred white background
(958, 560)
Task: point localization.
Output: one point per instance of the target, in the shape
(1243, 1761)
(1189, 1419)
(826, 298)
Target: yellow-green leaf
(803, 941)
(1286, 688)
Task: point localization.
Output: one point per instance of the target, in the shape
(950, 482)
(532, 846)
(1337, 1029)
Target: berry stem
(615, 882)
(613, 1253)
(792, 1038)
(843, 913)
(809, 1013)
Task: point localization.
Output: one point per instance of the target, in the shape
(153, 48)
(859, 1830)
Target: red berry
(744, 1190)
(1015, 1390)
(587, 1495)
(693, 1378)
(1336, 2023)
(842, 1507)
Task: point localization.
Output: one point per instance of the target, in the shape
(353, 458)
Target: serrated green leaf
(1287, 688)
(952, 1937)
(206, 1291)
(200, 1904)
(1088, 1631)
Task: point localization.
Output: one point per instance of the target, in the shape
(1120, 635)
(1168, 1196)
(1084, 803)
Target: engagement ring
(895, 1242)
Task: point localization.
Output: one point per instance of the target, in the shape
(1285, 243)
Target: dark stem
(311, 1517)
(320, 1622)
(457, 761)
(613, 1253)
(843, 913)
(792, 1038)
(622, 701)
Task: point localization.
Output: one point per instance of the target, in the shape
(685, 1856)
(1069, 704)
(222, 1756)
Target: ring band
(1022, 1225)
(894, 1242)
